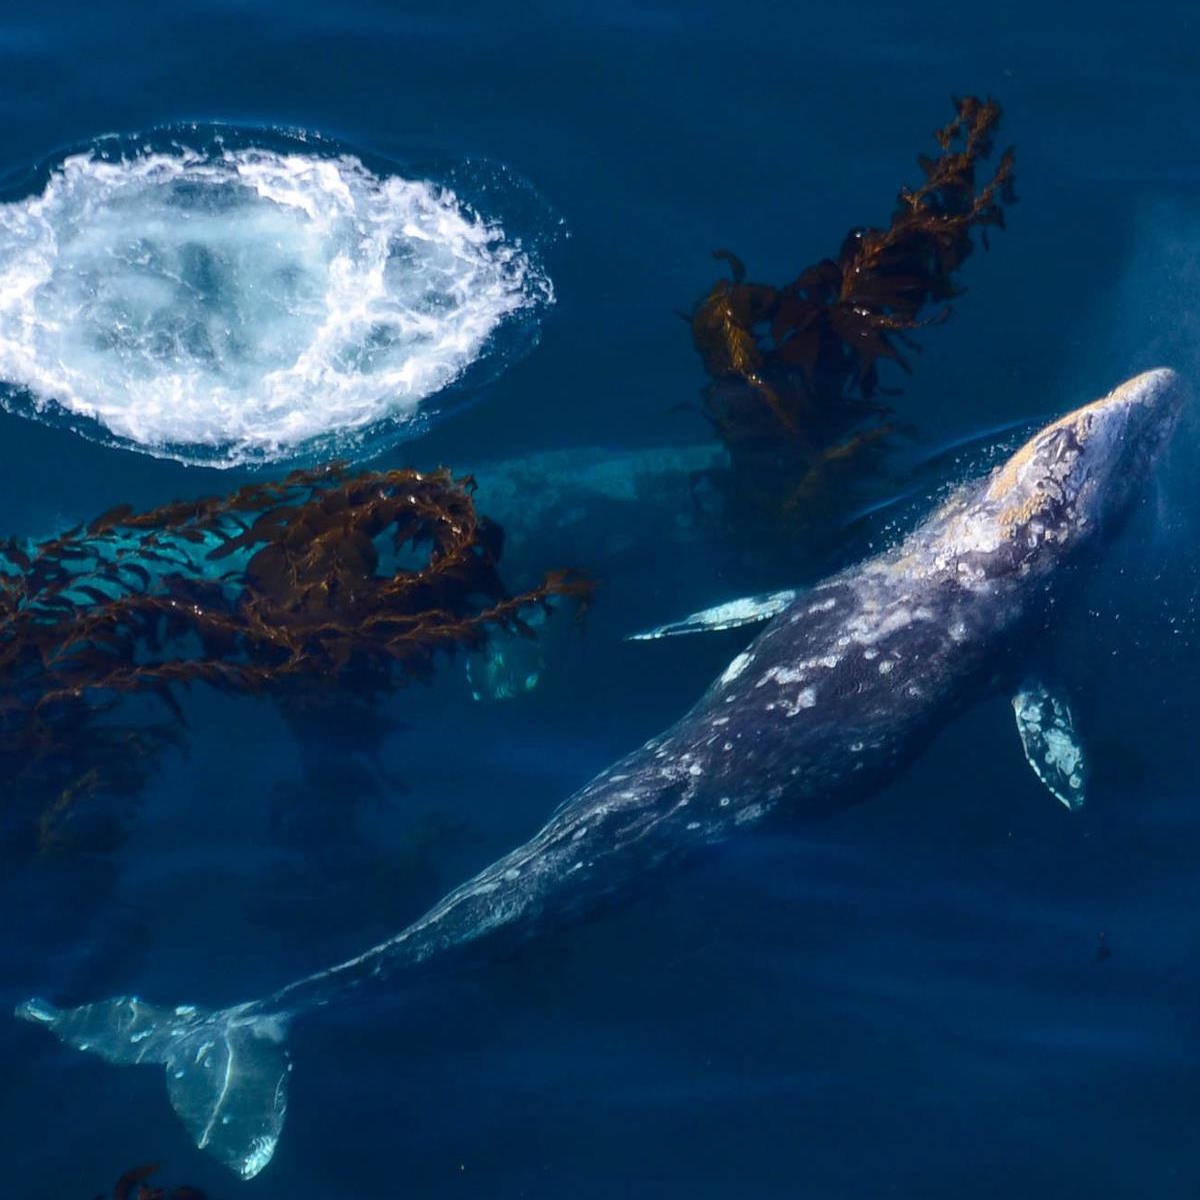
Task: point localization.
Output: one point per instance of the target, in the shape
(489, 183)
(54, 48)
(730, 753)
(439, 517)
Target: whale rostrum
(837, 693)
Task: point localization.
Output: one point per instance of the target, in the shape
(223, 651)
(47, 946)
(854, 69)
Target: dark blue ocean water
(905, 1000)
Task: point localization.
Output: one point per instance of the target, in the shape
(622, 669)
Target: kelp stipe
(795, 369)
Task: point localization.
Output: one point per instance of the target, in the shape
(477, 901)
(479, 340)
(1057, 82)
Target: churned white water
(235, 305)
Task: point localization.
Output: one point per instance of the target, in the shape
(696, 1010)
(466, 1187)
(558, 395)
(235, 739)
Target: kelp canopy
(324, 577)
(795, 368)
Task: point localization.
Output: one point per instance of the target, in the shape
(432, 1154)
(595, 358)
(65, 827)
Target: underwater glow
(236, 303)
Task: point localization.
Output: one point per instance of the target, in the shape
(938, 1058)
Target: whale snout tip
(1111, 442)
(1156, 377)
(1140, 415)
(1164, 392)
(1161, 380)
(1161, 388)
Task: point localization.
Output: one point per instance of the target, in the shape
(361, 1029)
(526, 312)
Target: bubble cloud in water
(237, 303)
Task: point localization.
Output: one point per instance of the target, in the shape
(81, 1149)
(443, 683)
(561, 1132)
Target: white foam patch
(234, 305)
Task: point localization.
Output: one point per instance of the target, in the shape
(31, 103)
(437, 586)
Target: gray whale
(840, 689)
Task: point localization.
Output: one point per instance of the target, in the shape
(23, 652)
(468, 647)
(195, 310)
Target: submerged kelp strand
(795, 368)
(326, 578)
(134, 1185)
(307, 576)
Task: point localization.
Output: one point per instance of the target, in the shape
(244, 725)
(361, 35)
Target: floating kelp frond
(309, 576)
(796, 368)
(133, 1185)
(322, 578)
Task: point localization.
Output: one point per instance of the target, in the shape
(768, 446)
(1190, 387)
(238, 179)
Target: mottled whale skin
(838, 691)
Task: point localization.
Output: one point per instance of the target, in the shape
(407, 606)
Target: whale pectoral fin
(747, 611)
(1051, 745)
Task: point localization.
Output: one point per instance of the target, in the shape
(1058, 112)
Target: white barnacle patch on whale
(226, 297)
(898, 618)
(971, 532)
(805, 698)
(736, 667)
(783, 675)
(872, 623)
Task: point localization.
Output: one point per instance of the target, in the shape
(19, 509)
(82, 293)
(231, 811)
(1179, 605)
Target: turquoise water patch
(214, 297)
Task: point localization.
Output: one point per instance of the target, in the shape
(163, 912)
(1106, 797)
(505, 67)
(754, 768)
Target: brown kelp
(322, 580)
(794, 369)
(134, 1185)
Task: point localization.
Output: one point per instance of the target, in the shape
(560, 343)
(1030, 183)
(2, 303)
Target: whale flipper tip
(37, 1010)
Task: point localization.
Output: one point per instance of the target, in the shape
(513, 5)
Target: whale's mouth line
(230, 297)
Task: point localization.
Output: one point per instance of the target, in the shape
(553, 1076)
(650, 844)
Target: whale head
(1072, 481)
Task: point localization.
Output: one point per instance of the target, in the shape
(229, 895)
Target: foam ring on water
(224, 302)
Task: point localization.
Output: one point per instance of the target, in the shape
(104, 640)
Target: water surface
(903, 1001)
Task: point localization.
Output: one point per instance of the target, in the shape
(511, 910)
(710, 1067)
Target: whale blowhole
(235, 297)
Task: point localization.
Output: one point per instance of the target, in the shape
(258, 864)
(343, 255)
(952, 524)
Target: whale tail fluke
(227, 1070)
